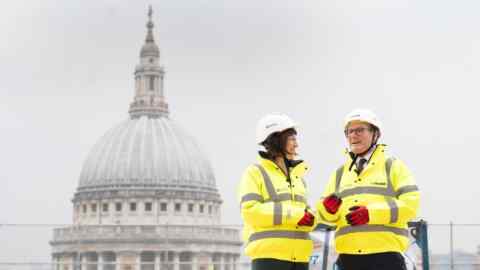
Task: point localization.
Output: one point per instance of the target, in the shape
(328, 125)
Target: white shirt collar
(367, 156)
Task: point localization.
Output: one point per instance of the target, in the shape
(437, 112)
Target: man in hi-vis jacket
(370, 199)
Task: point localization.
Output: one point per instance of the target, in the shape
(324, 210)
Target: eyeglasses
(357, 131)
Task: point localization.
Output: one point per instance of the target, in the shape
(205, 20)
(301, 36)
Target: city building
(147, 196)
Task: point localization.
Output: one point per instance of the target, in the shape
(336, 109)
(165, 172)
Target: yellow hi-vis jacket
(388, 190)
(271, 208)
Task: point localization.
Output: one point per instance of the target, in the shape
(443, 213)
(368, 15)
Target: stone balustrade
(150, 232)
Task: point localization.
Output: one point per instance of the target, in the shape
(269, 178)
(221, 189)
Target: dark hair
(374, 128)
(376, 131)
(276, 142)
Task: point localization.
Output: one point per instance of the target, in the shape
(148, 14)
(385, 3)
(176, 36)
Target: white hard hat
(363, 115)
(272, 123)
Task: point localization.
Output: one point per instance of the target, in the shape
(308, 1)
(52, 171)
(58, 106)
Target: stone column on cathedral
(75, 261)
(176, 261)
(138, 262)
(228, 262)
(221, 262)
(99, 261)
(194, 261)
(234, 262)
(210, 261)
(83, 261)
(157, 261)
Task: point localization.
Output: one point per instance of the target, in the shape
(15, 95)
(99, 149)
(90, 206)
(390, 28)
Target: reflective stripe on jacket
(271, 208)
(388, 190)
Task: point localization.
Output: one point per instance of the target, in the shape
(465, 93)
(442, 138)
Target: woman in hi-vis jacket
(272, 196)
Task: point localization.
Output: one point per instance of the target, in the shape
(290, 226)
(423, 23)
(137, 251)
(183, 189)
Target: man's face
(359, 136)
(291, 147)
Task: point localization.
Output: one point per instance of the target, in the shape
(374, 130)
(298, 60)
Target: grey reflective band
(276, 198)
(338, 178)
(277, 213)
(299, 198)
(268, 183)
(284, 197)
(370, 228)
(388, 191)
(393, 210)
(388, 169)
(406, 189)
(366, 190)
(288, 197)
(251, 197)
(279, 234)
(277, 206)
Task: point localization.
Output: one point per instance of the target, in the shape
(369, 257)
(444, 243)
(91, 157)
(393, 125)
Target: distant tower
(149, 96)
(147, 196)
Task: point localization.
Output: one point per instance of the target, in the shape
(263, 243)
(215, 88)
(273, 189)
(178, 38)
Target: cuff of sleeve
(325, 216)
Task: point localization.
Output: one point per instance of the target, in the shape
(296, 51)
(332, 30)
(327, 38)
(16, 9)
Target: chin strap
(354, 159)
(355, 156)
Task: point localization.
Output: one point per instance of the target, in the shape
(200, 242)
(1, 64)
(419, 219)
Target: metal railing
(180, 266)
(26, 246)
(446, 246)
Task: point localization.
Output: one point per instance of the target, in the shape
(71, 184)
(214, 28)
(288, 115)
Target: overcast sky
(67, 77)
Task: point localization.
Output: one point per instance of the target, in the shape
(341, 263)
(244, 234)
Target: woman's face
(291, 146)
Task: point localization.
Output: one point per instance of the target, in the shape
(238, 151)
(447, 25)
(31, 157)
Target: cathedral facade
(147, 196)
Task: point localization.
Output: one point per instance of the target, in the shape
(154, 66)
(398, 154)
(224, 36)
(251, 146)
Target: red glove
(358, 215)
(332, 203)
(307, 219)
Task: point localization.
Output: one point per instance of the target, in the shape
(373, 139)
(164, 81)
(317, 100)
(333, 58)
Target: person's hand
(358, 215)
(332, 203)
(307, 219)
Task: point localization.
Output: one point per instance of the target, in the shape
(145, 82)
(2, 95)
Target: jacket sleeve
(317, 220)
(405, 205)
(325, 217)
(256, 211)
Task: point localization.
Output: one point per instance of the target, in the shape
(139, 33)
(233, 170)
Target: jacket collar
(268, 163)
(378, 153)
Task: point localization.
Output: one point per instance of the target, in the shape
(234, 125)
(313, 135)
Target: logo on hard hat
(271, 125)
